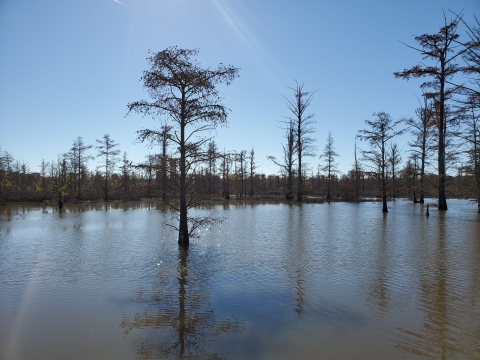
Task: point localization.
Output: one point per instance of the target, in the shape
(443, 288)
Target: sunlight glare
(256, 52)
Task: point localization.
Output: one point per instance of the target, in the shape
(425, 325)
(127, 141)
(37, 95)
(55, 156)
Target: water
(272, 281)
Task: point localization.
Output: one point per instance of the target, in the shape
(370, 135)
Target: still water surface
(272, 281)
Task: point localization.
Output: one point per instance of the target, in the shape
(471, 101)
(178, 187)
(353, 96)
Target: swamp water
(272, 281)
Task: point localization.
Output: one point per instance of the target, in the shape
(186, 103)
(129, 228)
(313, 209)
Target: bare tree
(381, 130)
(330, 167)
(252, 169)
(394, 159)
(357, 171)
(164, 138)
(287, 165)
(212, 155)
(303, 125)
(421, 128)
(443, 49)
(43, 172)
(149, 166)
(79, 158)
(185, 91)
(125, 167)
(240, 172)
(106, 148)
(226, 162)
(61, 186)
(471, 139)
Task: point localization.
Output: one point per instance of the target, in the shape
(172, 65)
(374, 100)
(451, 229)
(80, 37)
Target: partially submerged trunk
(289, 194)
(384, 207)
(106, 188)
(442, 198)
(299, 192)
(415, 201)
(183, 235)
(424, 155)
(478, 186)
(384, 181)
(384, 195)
(478, 201)
(328, 182)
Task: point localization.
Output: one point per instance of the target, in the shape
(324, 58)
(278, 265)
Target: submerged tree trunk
(478, 198)
(442, 199)
(106, 176)
(384, 185)
(424, 153)
(299, 182)
(227, 179)
(328, 183)
(476, 156)
(183, 236)
(289, 194)
(422, 175)
(477, 175)
(164, 168)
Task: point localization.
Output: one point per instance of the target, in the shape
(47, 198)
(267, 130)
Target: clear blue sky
(69, 68)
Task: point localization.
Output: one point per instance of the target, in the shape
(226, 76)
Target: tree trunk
(227, 181)
(106, 187)
(442, 199)
(478, 201)
(384, 182)
(477, 175)
(183, 238)
(164, 170)
(289, 194)
(299, 150)
(384, 207)
(328, 182)
(424, 154)
(251, 184)
(300, 192)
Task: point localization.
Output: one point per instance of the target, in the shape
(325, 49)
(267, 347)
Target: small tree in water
(106, 149)
(287, 165)
(330, 167)
(303, 125)
(380, 132)
(187, 93)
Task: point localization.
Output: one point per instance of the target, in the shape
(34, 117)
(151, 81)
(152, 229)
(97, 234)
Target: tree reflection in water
(295, 259)
(445, 332)
(183, 321)
(380, 288)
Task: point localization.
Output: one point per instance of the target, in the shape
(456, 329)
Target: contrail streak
(119, 2)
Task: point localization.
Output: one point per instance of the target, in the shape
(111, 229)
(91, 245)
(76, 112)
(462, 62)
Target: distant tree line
(223, 174)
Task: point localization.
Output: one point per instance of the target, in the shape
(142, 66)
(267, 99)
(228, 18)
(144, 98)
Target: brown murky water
(272, 281)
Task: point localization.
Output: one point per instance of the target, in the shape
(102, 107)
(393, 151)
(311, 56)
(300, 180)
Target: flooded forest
(195, 253)
(442, 158)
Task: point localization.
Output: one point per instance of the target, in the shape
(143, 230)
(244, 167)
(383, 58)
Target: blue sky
(69, 68)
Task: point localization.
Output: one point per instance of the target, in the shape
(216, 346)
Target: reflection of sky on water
(271, 281)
